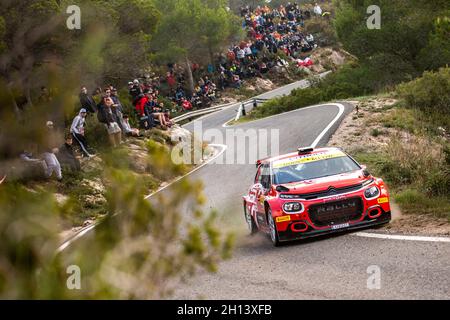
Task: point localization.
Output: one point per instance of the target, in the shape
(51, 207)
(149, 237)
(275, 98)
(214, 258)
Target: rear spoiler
(305, 150)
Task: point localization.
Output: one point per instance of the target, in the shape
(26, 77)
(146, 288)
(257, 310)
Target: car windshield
(313, 169)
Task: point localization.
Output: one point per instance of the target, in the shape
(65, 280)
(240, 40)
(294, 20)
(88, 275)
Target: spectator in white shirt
(317, 10)
(77, 130)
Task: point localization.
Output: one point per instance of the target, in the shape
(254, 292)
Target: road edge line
(400, 237)
(66, 243)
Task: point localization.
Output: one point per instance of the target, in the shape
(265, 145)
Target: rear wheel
(273, 229)
(251, 225)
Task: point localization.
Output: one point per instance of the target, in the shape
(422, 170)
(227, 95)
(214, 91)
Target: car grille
(330, 192)
(336, 212)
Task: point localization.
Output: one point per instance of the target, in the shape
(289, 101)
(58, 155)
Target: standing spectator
(116, 99)
(97, 96)
(87, 101)
(117, 107)
(317, 9)
(136, 91)
(107, 117)
(107, 92)
(77, 131)
(66, 156)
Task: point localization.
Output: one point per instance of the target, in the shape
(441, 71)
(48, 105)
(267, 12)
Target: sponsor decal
(307, 158)
(337, 207)
(283, 218)
(383, 200)
(335, 198)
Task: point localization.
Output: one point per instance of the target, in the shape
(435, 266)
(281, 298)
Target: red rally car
(313, 192)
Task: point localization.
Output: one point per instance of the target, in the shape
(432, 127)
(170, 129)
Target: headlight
(372, 193)
(292, 207)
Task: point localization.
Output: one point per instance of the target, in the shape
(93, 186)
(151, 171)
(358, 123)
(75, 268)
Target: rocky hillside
(395, 149)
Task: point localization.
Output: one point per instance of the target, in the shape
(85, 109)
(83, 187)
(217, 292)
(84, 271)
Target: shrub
(417, 202)
(375, 132)
(351, 80)
(418, 162)
(430, 93)
(322, 30)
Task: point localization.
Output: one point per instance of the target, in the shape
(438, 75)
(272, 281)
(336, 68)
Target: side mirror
(282, 189)
(366, 172)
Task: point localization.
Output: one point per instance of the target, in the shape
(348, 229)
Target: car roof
(296, 154)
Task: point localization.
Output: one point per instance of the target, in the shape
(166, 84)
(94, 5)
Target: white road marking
(223, 148)
(341, 111)
(316, 142)
(400, 237)
(84, 231)
(76, 237)
(301, 84)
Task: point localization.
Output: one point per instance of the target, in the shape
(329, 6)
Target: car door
(265, 183)
(254, 194)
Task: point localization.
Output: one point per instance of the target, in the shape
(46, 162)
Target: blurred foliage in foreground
(139, 252)
(143, 247)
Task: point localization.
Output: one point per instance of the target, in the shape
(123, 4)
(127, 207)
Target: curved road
(333, 267)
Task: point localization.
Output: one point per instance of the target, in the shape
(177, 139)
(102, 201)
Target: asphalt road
(333, 267)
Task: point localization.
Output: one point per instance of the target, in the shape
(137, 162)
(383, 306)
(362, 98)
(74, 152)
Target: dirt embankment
(363, 132)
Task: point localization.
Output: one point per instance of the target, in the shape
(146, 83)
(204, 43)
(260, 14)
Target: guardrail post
(238, 114)
(255, 103)
(243, 110)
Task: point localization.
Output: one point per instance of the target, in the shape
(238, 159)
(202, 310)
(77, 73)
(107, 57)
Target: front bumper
(290, 235)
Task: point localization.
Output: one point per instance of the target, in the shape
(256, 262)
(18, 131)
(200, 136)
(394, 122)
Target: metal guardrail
(243, 112)
(196, 113)
(200, 112)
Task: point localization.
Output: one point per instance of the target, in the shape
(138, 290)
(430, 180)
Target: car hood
(322, 184)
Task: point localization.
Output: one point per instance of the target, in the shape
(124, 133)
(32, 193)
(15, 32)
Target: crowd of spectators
(274, 37)
(56, 153)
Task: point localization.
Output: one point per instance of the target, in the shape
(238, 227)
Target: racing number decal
(383, 200)
(253, 212)
(261, 198)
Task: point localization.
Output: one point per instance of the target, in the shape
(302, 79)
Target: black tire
(273, 233)
(251, 225)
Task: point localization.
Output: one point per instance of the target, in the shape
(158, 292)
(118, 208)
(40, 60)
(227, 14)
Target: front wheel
(273, 229)
(251, 225)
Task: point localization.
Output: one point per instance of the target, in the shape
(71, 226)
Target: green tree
(26, 46)
(218, 28)
(191, 30)
(34, 36)
(395, 51)
(437, 53)
(142, 246)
